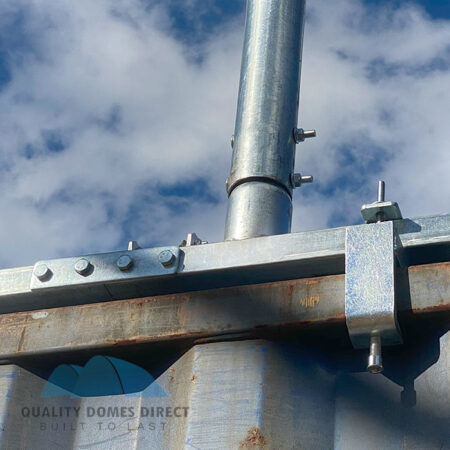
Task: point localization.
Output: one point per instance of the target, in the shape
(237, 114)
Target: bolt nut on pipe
(300, 134)
(297, 179)
(124, 263)
(166, 258)
(375, 362)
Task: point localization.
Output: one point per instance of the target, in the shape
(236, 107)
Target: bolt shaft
(307, 179)
(381, 188)
(375, 363)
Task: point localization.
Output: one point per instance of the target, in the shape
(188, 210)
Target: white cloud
(138, 112)
(394, 128)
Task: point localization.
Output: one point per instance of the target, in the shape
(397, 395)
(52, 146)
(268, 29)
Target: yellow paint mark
(310, 302)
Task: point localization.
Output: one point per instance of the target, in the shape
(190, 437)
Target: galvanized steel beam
(232, 263)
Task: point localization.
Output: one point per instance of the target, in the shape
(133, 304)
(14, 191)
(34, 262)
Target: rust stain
(119, 342)
(22, 338)
(439, 266)
(171, 374)
(290, 290)
(182, 315)
(194, 377)
(337, 318)
(254, 439)
(169, 335)
(340, 316)
(138, 303)
(183, 334)
(442, 307)
(318, 280)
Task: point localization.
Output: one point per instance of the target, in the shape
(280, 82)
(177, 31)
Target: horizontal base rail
(211, 266)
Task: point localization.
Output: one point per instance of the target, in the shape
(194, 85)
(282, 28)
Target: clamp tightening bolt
(166, 258)
(381, 210)
(381, 190)
(380, 198)
(300, 134)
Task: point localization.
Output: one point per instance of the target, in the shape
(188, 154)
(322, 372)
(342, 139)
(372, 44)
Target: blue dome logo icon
(101, 376)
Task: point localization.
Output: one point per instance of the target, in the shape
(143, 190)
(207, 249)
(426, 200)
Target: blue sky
(437, 9)
(115, 117)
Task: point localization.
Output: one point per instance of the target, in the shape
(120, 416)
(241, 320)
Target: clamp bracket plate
(370, 307)
(388, 211)
(103, 268)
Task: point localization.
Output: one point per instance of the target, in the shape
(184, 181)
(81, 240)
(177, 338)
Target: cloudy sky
(116, 116)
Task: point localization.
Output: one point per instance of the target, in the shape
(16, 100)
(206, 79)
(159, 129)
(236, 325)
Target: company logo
(102, 375)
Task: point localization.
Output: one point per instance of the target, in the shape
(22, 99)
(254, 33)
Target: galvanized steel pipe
(260, 183)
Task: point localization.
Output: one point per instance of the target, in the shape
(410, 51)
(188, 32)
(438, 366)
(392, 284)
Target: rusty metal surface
(246, 309)
(253, 394)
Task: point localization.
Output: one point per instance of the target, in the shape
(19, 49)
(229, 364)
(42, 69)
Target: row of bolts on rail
(166, 257)
(83, 266)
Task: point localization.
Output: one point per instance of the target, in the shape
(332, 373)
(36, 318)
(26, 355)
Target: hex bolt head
(166, 258)
(42, 272)
(124, 262)
(82, 266)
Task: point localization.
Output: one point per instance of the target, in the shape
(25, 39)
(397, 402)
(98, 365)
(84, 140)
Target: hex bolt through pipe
(260, 186)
